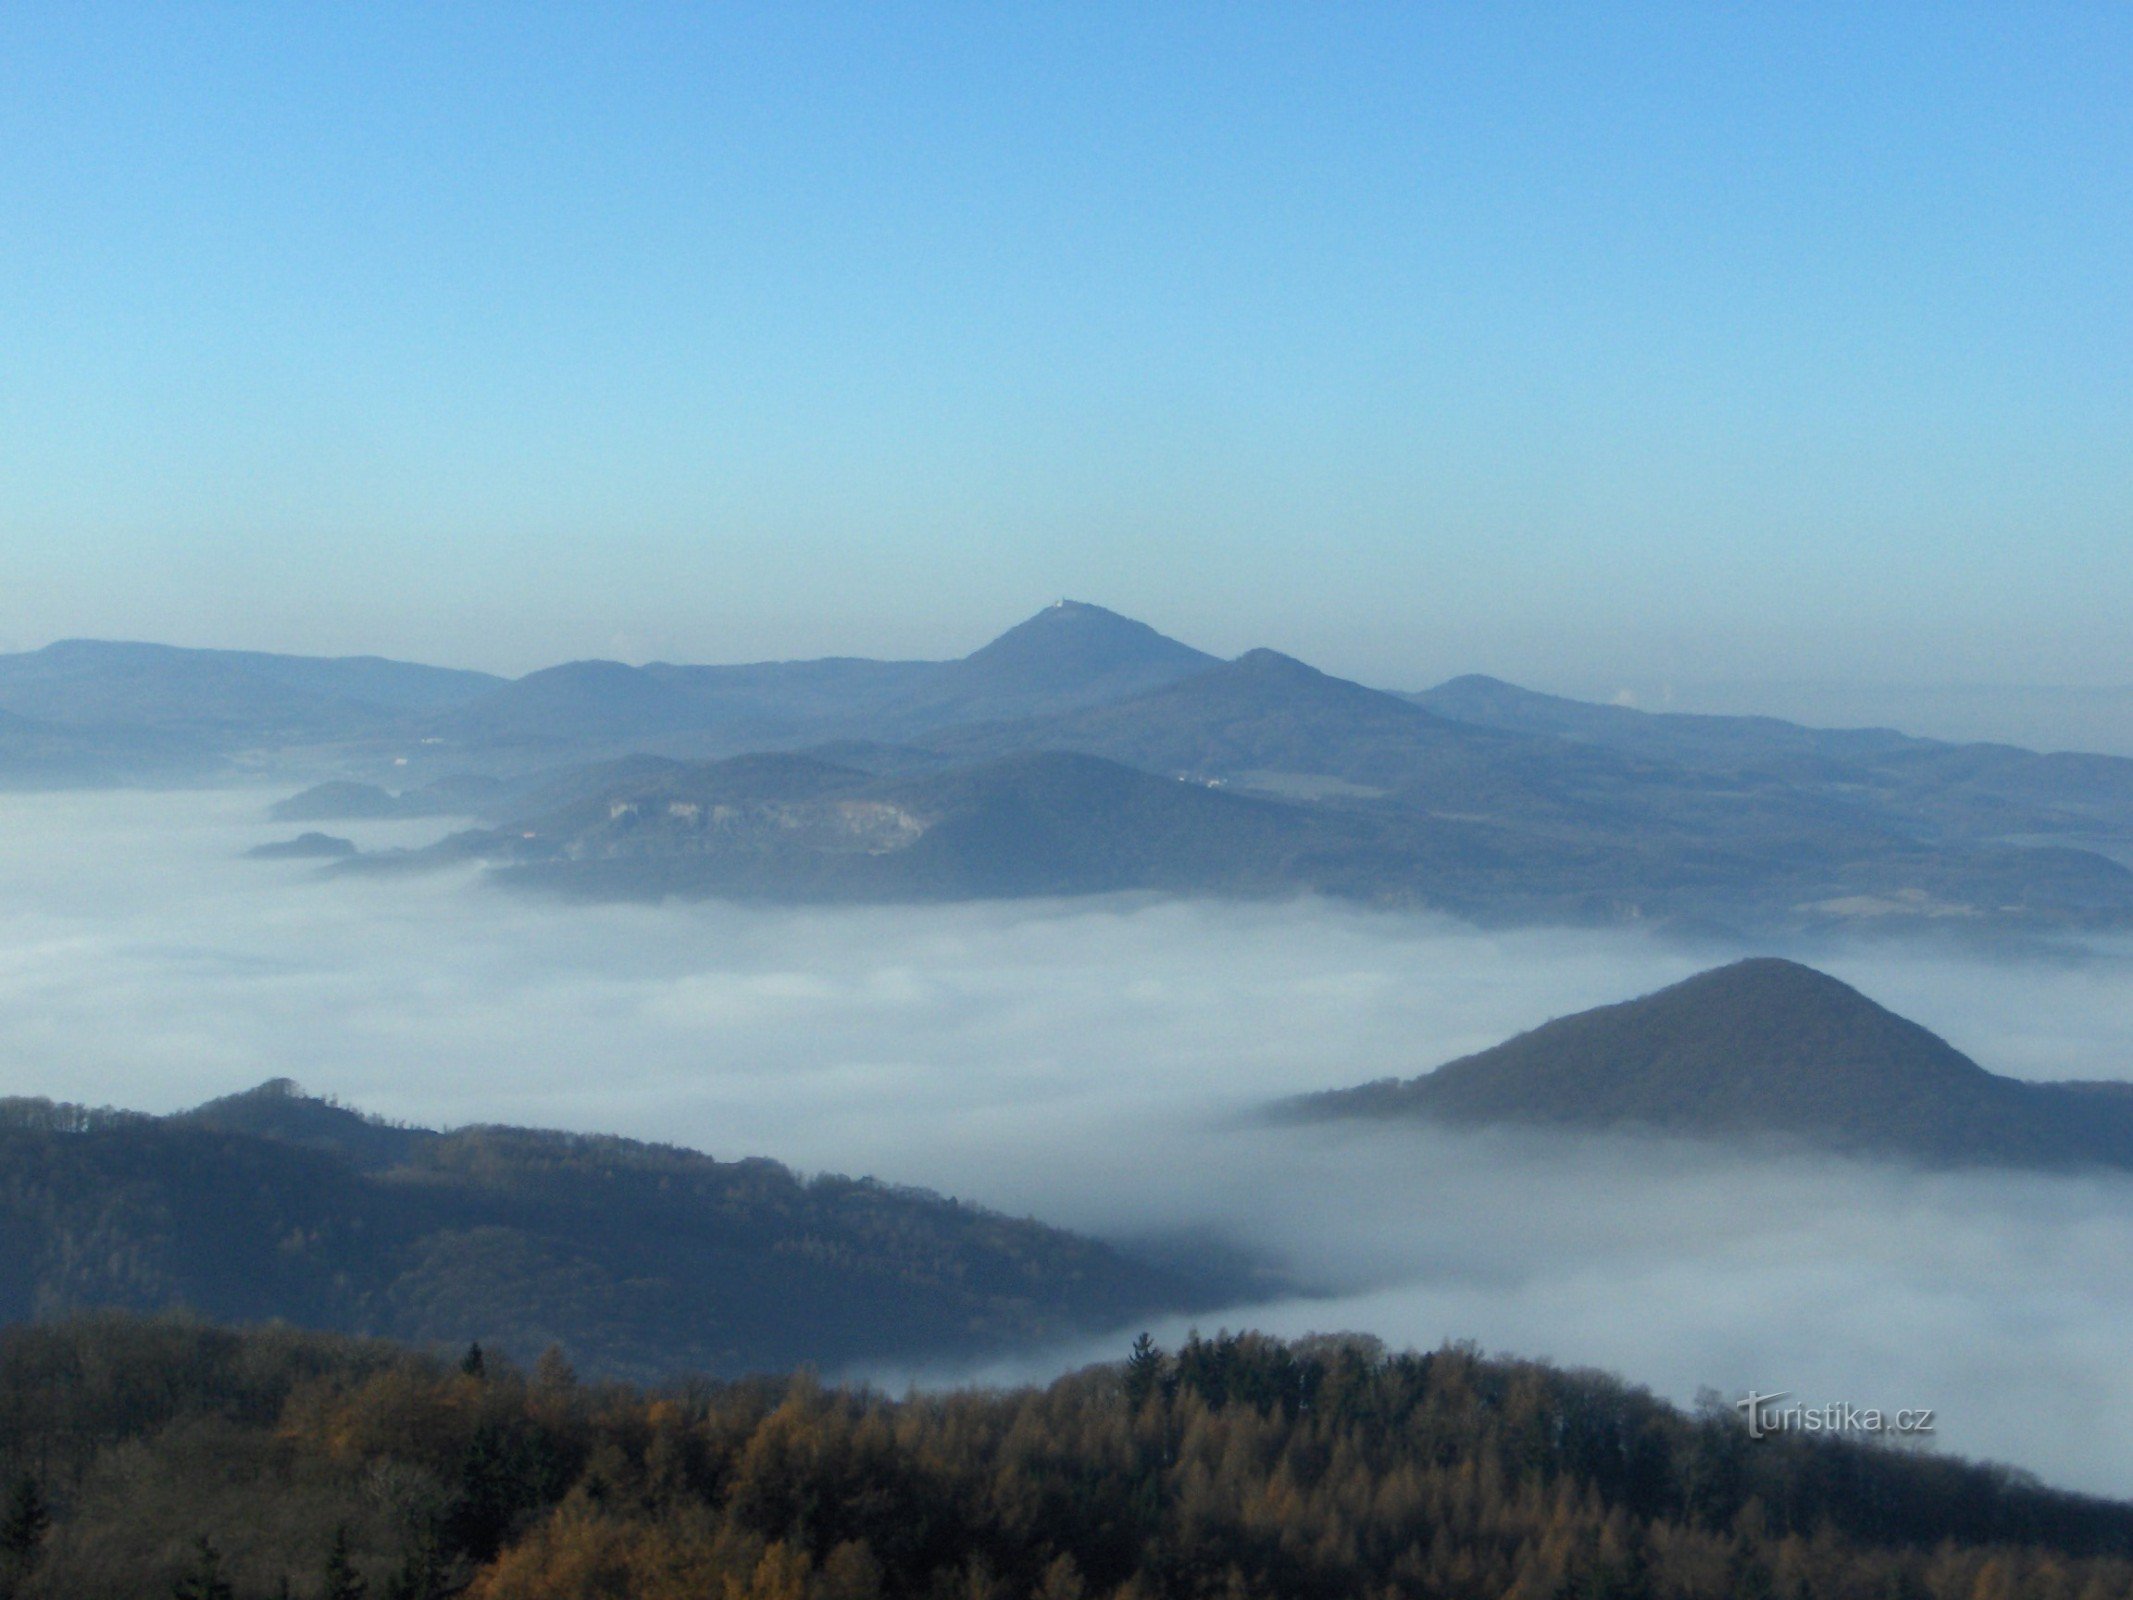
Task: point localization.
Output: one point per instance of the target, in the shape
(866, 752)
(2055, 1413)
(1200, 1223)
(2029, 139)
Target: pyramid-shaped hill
(1071, 645)
(1069, 656)
(1764, 1049)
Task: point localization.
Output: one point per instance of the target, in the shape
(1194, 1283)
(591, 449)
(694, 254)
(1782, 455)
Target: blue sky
(1581, 345)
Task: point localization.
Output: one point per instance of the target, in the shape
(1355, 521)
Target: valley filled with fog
(1097, 1064)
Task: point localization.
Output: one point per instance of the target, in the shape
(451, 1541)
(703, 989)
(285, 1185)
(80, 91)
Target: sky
(1657, 345)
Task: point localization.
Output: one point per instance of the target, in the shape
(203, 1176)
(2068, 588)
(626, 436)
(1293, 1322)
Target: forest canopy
(153, 1457)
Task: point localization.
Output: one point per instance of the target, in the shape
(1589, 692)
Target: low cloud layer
(1093, 1064)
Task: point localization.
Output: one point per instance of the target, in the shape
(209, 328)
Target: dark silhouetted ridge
(1762, 1048)
(641, 1259)
(279, 1109)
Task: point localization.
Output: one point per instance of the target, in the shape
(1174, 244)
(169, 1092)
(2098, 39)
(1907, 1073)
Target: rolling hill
(641, 1260)
(238, 696)
(793, 827)
(1931, 788)
(1269, 723)
(1263, 716)
(797, 827)
(1764, 1049)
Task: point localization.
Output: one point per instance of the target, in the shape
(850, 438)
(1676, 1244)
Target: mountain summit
(1088, 637)
(1073, 651)
(1764, 1048)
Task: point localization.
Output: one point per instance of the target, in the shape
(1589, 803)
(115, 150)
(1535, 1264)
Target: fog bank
(1093, 1063)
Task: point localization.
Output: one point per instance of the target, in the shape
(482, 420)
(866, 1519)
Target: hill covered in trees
(162, 1458)
(642, 1260)
(794, 828)
(1766, 1049)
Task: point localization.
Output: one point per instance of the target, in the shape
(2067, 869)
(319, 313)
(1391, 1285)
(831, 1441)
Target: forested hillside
(643, 1260)
(159, 1458)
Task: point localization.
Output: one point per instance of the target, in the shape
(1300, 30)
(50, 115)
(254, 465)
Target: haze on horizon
(1654, 349)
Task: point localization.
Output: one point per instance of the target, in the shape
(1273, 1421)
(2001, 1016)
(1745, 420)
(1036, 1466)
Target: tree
(1144, 1368)
(421, 1574)
(553, 1373)
(204, 1580)
(474, 1364)
(850, 1573)
(340, 1580)
(1062, 1579)
(23, 1526)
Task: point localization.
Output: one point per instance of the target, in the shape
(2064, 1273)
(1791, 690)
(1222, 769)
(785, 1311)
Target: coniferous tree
(340, 1580)
(1144, 1368)
(27, 1519)
(204, 1579)
(421, 1574)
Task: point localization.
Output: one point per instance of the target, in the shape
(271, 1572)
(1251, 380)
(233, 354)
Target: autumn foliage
(154, 1455)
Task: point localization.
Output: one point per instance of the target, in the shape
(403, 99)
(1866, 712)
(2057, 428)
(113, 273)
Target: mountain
(238, 696)
(1669, 735)
(1263, 716)
(1933, 788)
(1067, 656)
(1762, 1049)
(279, 1109)
(640, 1259)
(343, 800)
(1561, 824)
(793, 827)
(305, 847)
(1271, 723)
(1483, 799)
(604, 704)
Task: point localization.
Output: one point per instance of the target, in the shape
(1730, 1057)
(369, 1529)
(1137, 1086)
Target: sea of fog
(1094, 1064)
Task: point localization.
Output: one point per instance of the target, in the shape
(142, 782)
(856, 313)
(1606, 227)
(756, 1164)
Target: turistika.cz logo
(1766, 1416)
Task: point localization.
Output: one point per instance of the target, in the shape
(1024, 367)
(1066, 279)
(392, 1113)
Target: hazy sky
(1630, 344)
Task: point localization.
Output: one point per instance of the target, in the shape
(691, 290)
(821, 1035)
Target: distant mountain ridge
(250, 693)
(1762, 1049)
(1070, 654)
(794, 827)
(1477, 797)
(1973, 790)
